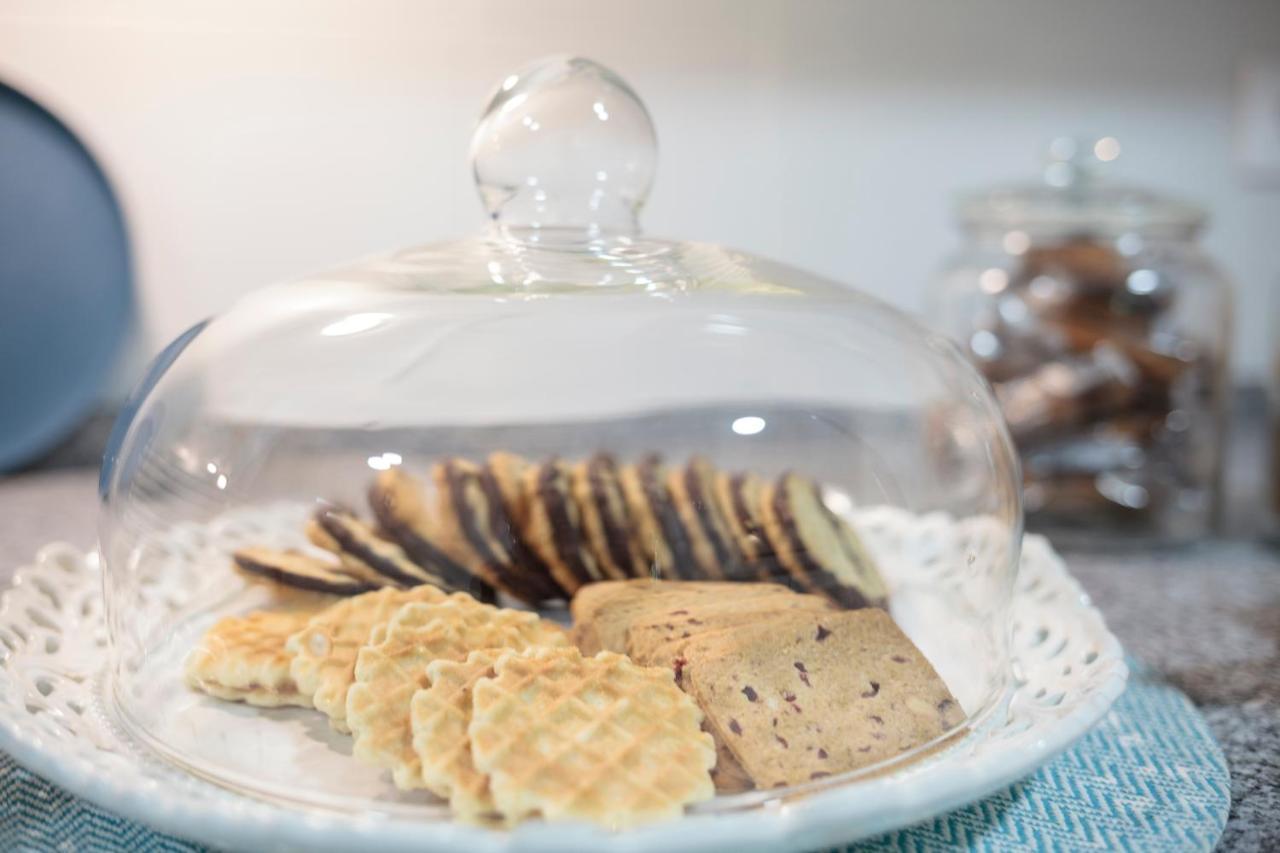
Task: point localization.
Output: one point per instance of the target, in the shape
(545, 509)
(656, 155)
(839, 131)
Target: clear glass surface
(1104, 330)
(560, 331)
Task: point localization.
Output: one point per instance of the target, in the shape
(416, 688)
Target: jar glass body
(1108, 352)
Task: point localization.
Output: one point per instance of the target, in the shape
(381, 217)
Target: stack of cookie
(541, 531)
(487, 707)
(793, 689)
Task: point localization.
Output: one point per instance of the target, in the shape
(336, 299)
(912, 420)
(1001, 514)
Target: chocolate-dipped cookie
(398, 504)
(358, 546)
(554, 526)
(693, 494)
(474, 530)
(318, 536)
(742, 496)
(503, 473)
(659, 531)
(813, 546)
(606, 521)
(296, 569)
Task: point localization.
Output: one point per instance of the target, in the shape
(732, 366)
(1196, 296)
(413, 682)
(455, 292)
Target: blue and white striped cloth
(1148, 778)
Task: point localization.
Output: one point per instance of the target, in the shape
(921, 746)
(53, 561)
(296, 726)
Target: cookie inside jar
(559, 522)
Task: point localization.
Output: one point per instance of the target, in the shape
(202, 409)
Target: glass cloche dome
(555, 407)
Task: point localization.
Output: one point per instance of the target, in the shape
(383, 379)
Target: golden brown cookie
(743, 496)
(815, 547)
(400, 504)
(553, 527)
(596, 739)
(301, 571)
(504, 474)
(473, 528)
(802, 695)
(439, 716)
(393, 666)
(693, 494)
(654, 637)
(606, 522)
(661, 535)
(324, 650)
(243, 659)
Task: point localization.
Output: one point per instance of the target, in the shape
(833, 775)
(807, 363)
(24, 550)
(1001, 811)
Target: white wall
(254, 141)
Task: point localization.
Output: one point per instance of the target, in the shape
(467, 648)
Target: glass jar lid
(1075, 195)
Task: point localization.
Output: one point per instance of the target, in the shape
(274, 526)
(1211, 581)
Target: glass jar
(1104, 330)
(522, 415)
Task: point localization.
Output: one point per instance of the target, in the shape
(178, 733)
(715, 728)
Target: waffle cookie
(816, 547)
(324, 649)
(392, 667)
(439, 715)
(243, 659)
(803, 695)
(596, 739)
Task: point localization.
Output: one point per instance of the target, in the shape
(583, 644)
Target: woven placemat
(1148, 778)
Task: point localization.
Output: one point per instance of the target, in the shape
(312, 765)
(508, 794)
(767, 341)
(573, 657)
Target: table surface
(1206, 618)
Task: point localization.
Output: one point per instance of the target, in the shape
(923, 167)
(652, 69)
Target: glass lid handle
(564, 147)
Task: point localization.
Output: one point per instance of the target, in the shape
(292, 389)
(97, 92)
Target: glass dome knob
(564, 146)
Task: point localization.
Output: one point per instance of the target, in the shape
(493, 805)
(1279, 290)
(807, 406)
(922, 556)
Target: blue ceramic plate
(65, 295)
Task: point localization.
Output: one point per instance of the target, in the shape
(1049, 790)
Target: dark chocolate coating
(616, 532)
(516, 582)
(419, 550)
(726, 555)
(339, 585)
(842, 594)
(669, 522)
(564, 532)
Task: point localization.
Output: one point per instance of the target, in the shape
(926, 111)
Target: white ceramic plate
(56, 718)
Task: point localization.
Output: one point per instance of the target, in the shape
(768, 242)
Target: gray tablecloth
(1206, 618)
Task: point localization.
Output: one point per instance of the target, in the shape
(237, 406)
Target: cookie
(657, 526)
(359, 545)
(743, 495)
(439, 715)
(813, 546)
(802, 696)
(553, 527)
(473, 528)
(653, 638)
(592, 600)
(296, 569)
(594, 739)
(392, 667)
(503, 473)
(692, 490)
(398, 502)
(606, 522)
(243, 659)
(324, 650)
(612, 620)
